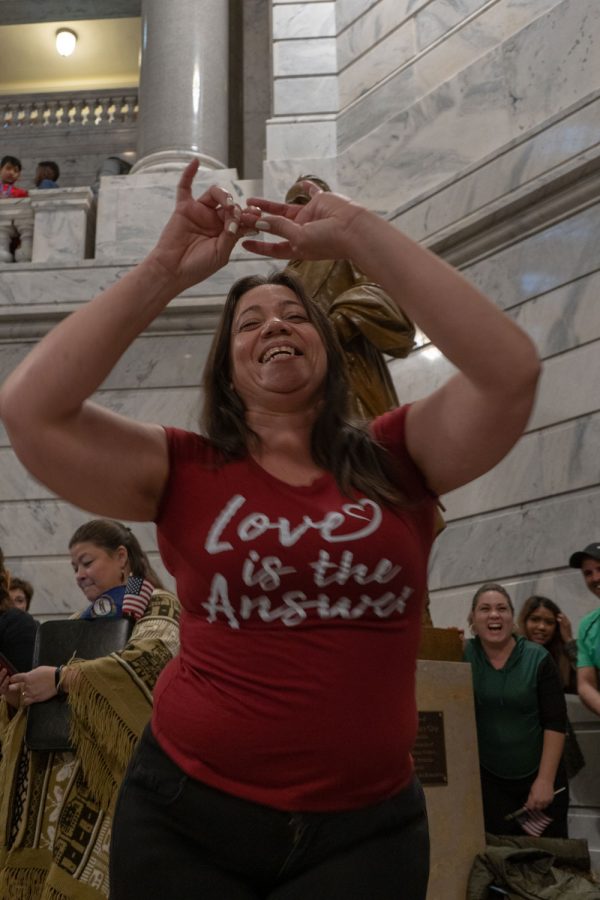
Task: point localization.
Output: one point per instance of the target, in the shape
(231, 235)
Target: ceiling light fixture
(65, 41)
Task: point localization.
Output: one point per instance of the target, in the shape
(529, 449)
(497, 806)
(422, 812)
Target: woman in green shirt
(521, 718)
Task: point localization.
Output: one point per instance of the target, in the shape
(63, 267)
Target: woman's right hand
(200, 235)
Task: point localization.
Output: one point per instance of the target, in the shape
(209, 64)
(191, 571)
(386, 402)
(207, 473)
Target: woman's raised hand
(201, 233)
(565, 627)
(323, 229)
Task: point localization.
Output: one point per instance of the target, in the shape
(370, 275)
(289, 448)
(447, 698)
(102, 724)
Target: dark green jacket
(528, 873)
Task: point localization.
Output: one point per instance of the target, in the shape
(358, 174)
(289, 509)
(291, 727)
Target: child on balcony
(47, 174)
(10, 171)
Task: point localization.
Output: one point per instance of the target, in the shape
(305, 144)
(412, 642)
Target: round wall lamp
(66, 41)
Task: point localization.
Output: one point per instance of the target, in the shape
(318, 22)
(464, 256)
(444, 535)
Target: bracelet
(57, 677)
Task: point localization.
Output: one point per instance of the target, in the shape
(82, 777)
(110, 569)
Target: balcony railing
(77, 109)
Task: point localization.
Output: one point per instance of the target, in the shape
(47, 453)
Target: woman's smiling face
(540, 626)
(492, 618)
(277, 355)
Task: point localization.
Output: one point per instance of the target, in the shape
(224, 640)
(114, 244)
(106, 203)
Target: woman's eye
(248, 325)
(298, 317)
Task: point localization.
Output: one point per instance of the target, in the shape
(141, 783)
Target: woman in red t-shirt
(278, 761)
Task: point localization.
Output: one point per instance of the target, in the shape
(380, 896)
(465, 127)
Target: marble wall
(473, 125)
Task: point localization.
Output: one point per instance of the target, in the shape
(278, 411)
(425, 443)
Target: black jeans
(174, 837)
(502, 796)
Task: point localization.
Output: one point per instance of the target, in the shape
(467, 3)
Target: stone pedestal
(16, 220)
(132, 211)
(454, 808)
(63, 224)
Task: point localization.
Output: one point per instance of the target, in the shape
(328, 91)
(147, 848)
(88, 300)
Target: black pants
(502, 796)
(176, 837)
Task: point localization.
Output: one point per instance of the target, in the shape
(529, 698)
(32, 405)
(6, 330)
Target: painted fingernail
(263, 225)
(232, 228)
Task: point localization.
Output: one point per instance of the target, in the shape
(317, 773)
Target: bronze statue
(367, 322)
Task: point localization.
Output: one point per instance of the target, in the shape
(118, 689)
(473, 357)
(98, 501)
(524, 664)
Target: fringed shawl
(56, 808)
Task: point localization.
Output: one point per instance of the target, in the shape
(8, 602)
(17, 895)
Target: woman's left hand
(323, 229)
(36, 685)
(541, 794)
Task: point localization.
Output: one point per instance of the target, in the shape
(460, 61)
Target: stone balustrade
(51, 226)
(76, 109)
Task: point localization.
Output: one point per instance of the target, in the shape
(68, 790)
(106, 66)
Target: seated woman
(55, 808)
(521, 719)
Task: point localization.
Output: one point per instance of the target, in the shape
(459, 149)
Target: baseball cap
(592, 550)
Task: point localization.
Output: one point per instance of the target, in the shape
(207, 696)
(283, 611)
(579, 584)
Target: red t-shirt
(295, 683)
(10, 192)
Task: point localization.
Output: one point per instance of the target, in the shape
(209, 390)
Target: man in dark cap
(588, 638)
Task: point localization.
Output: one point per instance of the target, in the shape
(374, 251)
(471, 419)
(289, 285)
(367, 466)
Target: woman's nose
(274, 324)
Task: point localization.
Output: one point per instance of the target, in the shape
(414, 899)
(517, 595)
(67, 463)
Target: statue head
(297, 194)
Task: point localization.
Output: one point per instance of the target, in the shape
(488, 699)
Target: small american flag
(533, 822)
(137, 596)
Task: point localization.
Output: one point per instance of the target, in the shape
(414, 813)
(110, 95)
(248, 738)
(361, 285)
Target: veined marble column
(183, 84)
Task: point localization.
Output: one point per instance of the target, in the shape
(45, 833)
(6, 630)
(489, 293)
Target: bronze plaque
(429, 752)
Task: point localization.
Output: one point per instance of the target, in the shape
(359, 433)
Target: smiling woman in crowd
(521, 718)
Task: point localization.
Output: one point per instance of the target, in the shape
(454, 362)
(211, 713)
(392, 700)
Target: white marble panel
(58, 236)
(436, 19)
(45, 287)
(532, 538)
(16, 483)
(421, 147)
(542, 262)
(556, 460)
(301, 20)
(388, 55)
(316, 56)
(177, 406)
(419, 375)
(465, 145)
(43, 528)
(296, 96)
(300, 138)
(554, 62)
(370, 29)
(564, 318)
(569, 387)
(470, 37)
(169, 360)
(566, 142)
(351, 12)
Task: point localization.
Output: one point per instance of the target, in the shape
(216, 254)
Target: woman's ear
(123, 558)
